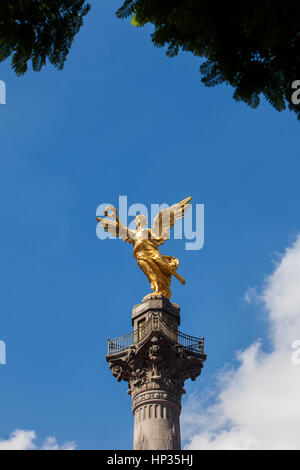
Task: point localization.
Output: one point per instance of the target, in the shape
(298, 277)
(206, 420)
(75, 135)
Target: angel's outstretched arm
(116, 227)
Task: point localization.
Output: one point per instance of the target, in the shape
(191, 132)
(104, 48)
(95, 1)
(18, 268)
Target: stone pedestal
(155, 360)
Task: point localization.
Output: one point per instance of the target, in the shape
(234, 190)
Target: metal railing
(121, 343)
(155, 323)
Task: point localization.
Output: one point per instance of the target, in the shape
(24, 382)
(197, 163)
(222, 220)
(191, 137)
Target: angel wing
(166, 219)
(116, 227)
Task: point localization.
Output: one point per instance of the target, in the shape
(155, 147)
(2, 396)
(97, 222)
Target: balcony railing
(190, 343)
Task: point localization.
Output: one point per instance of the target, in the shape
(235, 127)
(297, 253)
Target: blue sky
(122, 119)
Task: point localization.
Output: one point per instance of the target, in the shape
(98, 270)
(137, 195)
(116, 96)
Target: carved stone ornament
(155, 364)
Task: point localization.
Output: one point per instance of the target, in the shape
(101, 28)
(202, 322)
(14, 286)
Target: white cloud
(51, 444)
(257, 404)
(26, 440)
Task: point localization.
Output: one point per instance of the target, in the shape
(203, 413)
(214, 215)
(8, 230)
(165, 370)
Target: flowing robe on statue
(157, 267)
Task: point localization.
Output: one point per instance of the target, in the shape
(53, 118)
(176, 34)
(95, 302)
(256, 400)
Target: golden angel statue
(157, 267)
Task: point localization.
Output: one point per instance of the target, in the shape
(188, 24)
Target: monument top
(156, 303)
(158, 268)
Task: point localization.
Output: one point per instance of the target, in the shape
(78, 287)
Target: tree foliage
(39, 29)
(253, 45)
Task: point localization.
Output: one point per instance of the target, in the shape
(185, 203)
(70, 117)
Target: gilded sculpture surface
(158, 268)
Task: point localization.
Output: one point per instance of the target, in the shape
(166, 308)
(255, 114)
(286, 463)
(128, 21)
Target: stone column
(156, 421)
(155, 367)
